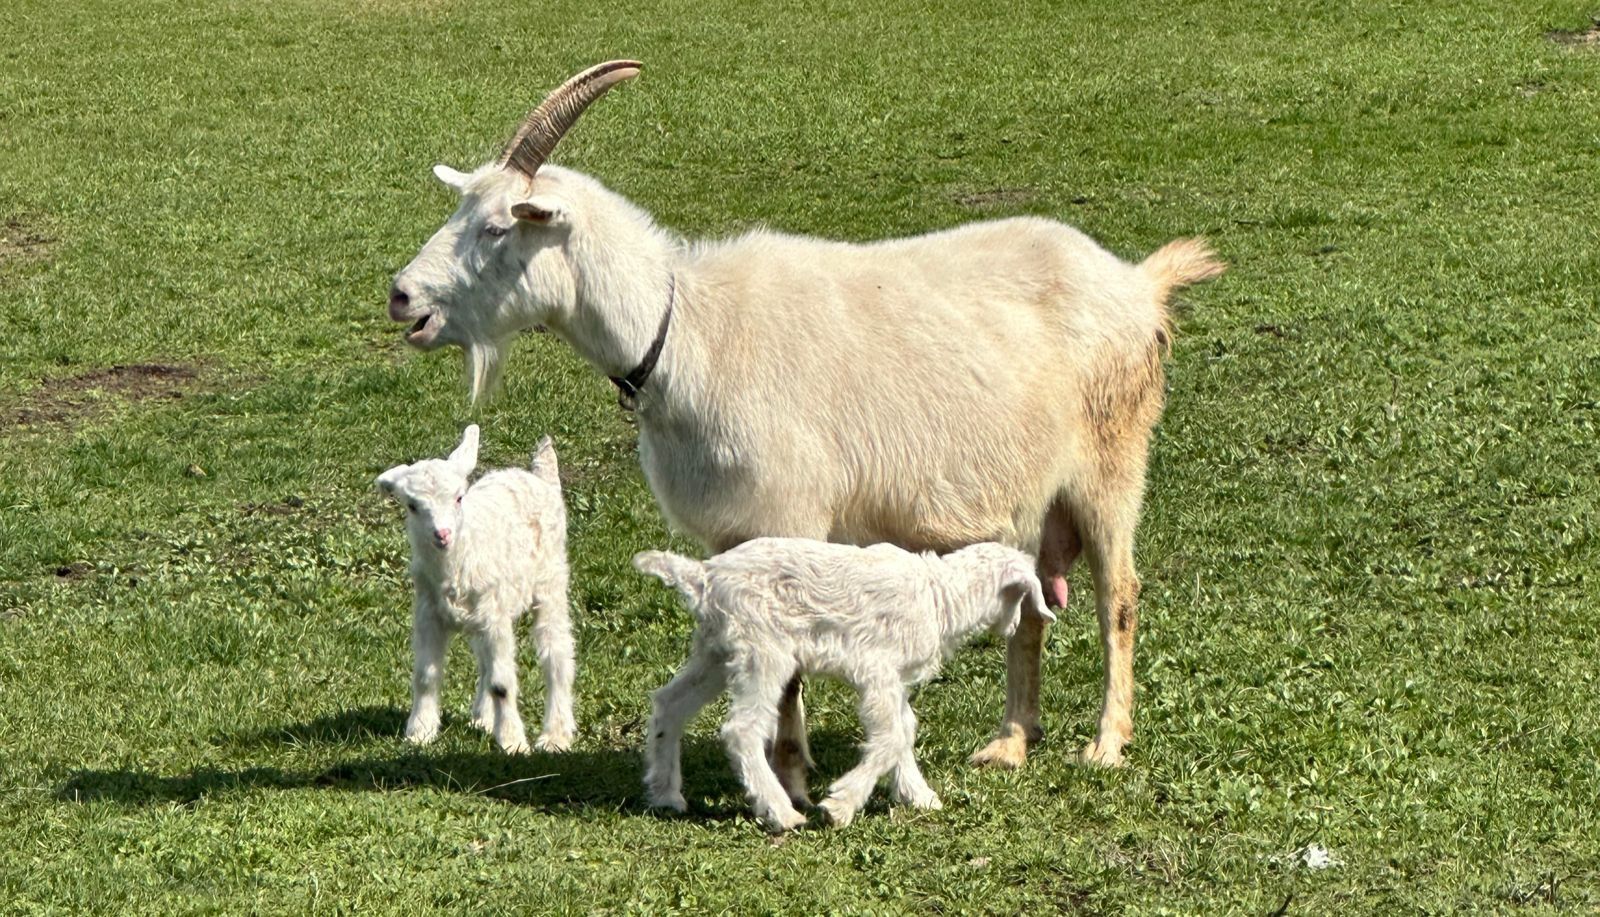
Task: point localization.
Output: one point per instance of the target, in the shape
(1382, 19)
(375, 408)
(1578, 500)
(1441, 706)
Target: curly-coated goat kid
(879, 618)
(480, 557)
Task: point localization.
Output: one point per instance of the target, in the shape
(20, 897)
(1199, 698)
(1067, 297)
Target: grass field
(1372, 573)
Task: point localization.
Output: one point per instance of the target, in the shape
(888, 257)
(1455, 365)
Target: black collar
(628, 386)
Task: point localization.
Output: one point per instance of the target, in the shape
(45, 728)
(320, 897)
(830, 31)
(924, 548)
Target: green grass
(1369, 548)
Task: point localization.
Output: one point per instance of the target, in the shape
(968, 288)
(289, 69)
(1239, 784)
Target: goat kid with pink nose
(481, 556)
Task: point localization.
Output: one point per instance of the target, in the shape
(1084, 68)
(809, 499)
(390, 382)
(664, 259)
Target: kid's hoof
(838, 812)
(553, 742)
(673, 801)
(778, 822)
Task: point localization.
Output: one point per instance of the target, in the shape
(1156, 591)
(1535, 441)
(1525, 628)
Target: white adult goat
(993, 382)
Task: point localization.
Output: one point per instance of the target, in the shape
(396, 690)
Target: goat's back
(932, 392)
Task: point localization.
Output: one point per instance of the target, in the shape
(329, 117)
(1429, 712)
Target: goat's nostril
(398, 302)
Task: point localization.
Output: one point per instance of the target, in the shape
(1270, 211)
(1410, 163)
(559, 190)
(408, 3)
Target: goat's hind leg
(755, 690)
(496, 649)
(673, 705)
(552, 640)
(791, 753)
(908, 785)
(884, 746)
(1116, 595)
(1059, 546)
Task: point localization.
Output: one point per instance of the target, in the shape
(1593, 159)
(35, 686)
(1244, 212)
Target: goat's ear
(541, 210)
(456, 180)
(465, 458)
(1025, 583)
(387, 481)
(1037, 598)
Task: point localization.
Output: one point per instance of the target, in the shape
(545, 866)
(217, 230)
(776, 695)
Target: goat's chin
(483, 364)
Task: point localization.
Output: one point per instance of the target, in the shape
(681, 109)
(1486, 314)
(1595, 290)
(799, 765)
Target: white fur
(878, 618)
(480, 557)
(993, 382)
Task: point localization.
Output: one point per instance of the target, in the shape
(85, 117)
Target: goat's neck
(623, 283)
(967, 605)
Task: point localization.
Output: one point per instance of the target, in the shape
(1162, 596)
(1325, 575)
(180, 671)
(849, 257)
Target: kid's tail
(685, 574)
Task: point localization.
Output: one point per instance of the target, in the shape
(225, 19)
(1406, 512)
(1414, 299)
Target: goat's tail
(685, 574)
(1181, 263)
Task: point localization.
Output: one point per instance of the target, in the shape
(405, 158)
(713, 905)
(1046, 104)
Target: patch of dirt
(996, 197)
(1577, 38)
(70, 399)
(22, 239)
(73, 571)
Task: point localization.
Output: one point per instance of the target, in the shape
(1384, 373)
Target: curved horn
(543, 128)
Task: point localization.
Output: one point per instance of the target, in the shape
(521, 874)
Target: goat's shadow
(583, 778)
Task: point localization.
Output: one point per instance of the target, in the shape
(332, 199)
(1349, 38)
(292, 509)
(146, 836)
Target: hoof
(839, 813)
(778, 822)
(421, 733)
(1006, 751)
(673, 801)
(1101, 754)
(553, 742)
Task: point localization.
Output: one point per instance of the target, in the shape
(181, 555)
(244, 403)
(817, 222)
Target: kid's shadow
(585, 778)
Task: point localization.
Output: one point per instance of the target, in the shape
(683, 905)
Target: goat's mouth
(424, 332)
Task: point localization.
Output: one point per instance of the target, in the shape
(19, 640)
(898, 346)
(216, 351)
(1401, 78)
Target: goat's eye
(458, 499)
(412, 506)
(494, 231)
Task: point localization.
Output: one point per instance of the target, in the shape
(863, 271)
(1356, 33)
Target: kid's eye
(494, 231)
(412, 506)
(458, 499)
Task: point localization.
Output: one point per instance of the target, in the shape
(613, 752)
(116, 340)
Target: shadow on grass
(584, 778)
(605, 777)
(362, 724)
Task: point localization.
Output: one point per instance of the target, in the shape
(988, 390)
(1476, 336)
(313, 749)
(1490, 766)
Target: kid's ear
(544, 461)
(1036, 599)
(541, 210)
(465, 458)
(1026, 584)
(387, 480)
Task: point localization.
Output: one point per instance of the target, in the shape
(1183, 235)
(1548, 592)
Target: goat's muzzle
(425, 322)
(399, 305)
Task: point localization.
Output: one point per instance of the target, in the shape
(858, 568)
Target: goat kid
(481, 556)
(880, 619)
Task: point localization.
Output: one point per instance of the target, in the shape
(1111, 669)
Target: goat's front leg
(882, 696)
(496, 649)
(552, 639)
(697, 683)
(908, 786)
(429, 637)
(482, 710)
